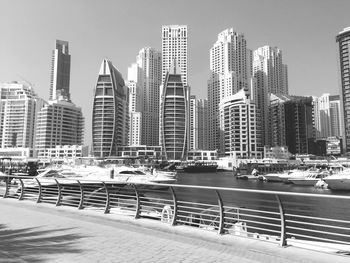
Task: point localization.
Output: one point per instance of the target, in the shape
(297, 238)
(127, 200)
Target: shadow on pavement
(32, 244)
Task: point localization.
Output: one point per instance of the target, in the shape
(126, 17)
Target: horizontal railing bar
(201, 208)
(260, 223)
(260, 217)
(320, 218)
(157, 199)
(317, 231)
(211, 188)
(319, 225)
(194, 203)
(258, 211)
(319, 238)
(263, 229)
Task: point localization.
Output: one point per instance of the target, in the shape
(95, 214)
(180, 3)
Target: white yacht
(339, 181)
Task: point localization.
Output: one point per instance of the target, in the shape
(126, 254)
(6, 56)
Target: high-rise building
(174, 116)
(19, 107)
(135, 111)
(239, 132)
(229, 65)
(59, 123)
(193, 126)
(343, 39)
(269, 60)
(269, 77)
(327, 116)
(174, 47)
(110, 116)
(202, 124)
(292, 123)
(146, 74)
(60, 71)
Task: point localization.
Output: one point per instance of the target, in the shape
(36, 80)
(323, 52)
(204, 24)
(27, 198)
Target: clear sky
(304, 30)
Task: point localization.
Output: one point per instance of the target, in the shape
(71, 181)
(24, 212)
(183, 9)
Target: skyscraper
(174, 47)
(146, 74)
(202, 124)
(60, 71)
(327, 116)
(269, 76)
(343, 39)
(193, 126)
(19, 107)
(174, 116)
(229, 65)
(110, 116)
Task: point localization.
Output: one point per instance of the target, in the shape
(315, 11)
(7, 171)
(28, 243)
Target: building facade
(146, 73)
(239, 132)
(60, 71)
(110, 114)
(202, 124)
(343, 40)
(327, 116)
(269, 77)
(174, 47)
(59, 123)
(174, 116)
(193, 125)
(229, 66)
(19, 107)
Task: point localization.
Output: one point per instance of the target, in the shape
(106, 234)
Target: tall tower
(193, 126)
(60, 71)
(146, 74)
(110, 113)
(174, 116)
(229, 65)
(174, 47)
(269, 76)
(343, 39)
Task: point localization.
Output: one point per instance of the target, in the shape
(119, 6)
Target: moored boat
(200, 167)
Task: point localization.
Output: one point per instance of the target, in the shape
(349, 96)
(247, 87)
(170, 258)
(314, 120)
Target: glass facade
(110, 112)
(174, 117)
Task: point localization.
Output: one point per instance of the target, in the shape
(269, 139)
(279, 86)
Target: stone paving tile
(80, 236)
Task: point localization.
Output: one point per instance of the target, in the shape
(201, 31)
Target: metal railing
(314, 221)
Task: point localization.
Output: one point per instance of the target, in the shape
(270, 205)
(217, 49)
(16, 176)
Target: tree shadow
(31, 244)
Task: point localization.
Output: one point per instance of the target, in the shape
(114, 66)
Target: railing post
(81, 203)
(22, 189)
(108, 199)
(173, 223)
(7, 182)
(221, 207)
(59, 196)
(137, 210)
(38, 200)
(283, 241)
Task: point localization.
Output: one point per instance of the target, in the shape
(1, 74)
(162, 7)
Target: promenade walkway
(31, 232)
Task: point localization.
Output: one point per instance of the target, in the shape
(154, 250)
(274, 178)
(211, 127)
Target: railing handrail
(233, 189)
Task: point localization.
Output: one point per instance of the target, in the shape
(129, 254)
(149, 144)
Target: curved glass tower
(174, 116)
(110, 112)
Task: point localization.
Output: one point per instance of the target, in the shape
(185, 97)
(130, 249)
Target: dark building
(299, 125)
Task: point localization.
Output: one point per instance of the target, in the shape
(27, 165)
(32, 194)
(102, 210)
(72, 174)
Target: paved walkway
(31, 232)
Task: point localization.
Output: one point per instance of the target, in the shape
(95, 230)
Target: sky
(304, 30)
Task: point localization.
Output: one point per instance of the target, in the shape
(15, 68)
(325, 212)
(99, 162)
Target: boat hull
(338, 183)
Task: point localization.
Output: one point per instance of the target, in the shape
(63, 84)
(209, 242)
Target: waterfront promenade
(31, 232)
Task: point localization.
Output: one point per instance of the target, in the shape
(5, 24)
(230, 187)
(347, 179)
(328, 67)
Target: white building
(229, 65)
(146, 74)
(66, 152)
(135, 111)
(174, 47)
(327, 116)
(59, 123)
(269, 77)
(19, 106)
(239, 132)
